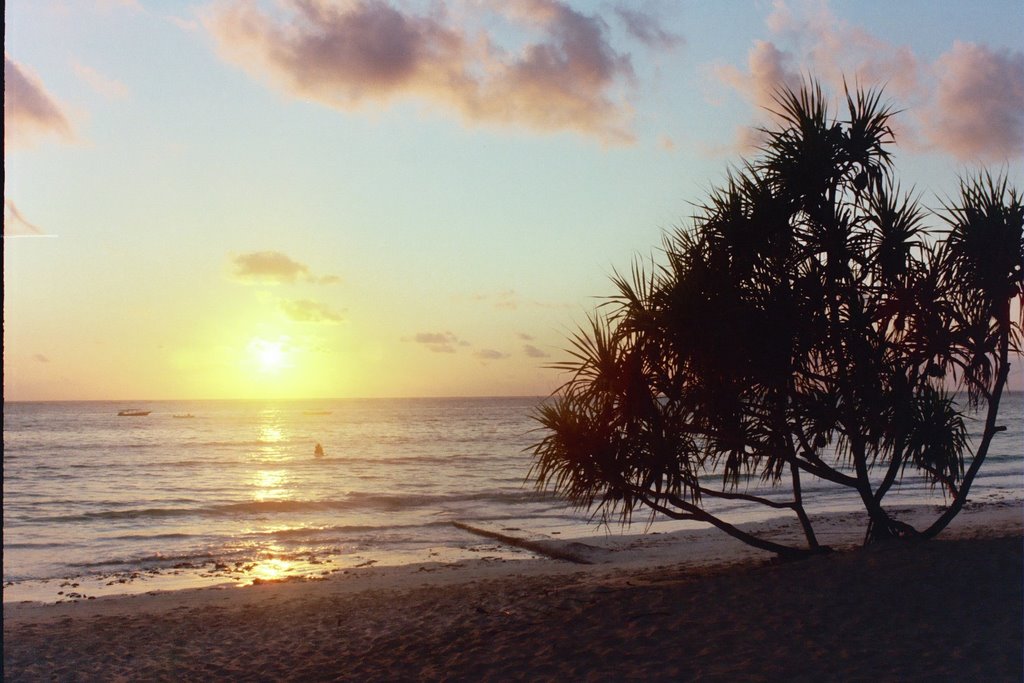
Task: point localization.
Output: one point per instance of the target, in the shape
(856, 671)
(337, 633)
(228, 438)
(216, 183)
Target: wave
(189, 557)
(382, 502)
(319, 532)
(146, 537)
(248, 443)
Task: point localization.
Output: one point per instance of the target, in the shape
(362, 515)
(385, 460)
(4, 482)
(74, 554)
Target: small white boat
(133, 413)
(179, 415)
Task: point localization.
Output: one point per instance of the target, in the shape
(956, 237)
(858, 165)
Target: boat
(179, 415)
(318, 452)
(133, 413)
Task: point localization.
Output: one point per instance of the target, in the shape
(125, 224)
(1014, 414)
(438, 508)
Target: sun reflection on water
(271, 433)
(270, 485)
(272, 569)
(272, 437)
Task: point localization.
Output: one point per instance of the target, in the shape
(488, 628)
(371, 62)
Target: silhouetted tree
(809, 323)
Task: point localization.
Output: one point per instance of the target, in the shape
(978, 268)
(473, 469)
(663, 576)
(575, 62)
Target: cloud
(30, 112)
(15, 223)
(746, 140)
(818, 42)
(967, 103)
(647, 29)
(40, 358)
(108, 87)
(533, 352)
(978, 110)
(368, 54)
(768, 68)
(268, 266)
(439, 342)
(307, 311)
(490, 354)
(524, 336)
(505, 300)
(273, 267)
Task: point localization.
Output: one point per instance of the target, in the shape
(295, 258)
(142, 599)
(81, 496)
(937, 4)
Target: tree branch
(990, 429)
(696, 513)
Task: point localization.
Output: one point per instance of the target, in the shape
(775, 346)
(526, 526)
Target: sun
(271, 356)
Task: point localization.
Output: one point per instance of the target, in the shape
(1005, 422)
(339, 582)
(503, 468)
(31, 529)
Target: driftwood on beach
(540, 547)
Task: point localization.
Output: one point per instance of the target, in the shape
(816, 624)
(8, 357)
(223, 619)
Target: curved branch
(812, 464)
(692, 512)
(727, 495)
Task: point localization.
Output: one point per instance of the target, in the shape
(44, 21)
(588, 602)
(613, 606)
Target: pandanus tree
(814, 321)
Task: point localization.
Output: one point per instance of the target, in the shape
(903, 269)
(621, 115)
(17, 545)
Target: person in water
(318, 452)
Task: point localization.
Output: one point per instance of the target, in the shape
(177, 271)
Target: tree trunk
(990, 428)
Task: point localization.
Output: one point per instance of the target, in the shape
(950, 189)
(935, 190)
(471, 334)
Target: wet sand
(690, 606)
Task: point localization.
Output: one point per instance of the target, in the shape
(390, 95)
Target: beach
(690, 605)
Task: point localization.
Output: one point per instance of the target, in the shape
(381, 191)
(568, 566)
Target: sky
(313, 199)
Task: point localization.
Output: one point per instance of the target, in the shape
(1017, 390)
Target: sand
(682, 606)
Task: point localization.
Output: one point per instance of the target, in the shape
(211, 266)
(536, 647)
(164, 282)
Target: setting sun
(271, 356)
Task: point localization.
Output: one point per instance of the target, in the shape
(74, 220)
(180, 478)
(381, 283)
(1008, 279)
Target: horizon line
(336, 398)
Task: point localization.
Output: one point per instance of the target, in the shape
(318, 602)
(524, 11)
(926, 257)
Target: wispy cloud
(509, 300)
(274, 267)
(15, 223)
(533, 352)
(40, 358)
(368, 53)
(438, 342)
(490, 354)
(182, 23)
(108, 87)
(504, 300)
(647, 29)
(308, 311)
(30, 112)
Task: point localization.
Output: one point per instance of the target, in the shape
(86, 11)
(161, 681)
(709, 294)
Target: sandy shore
(683, 606)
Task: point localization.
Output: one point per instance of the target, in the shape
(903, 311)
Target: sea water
(214, 491)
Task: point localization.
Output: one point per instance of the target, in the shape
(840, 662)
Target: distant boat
(185, 415)
(133, 413)
(318, 452)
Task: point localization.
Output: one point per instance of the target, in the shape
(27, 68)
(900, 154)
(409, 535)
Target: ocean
(214, 492)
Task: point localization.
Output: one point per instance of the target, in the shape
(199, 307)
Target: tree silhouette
(809, 323)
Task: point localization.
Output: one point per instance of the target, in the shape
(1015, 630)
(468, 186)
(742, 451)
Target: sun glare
(270, 355)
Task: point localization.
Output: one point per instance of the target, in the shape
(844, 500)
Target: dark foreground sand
(946, 610)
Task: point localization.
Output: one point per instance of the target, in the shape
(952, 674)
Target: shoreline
(691, 546)
(665, 606)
